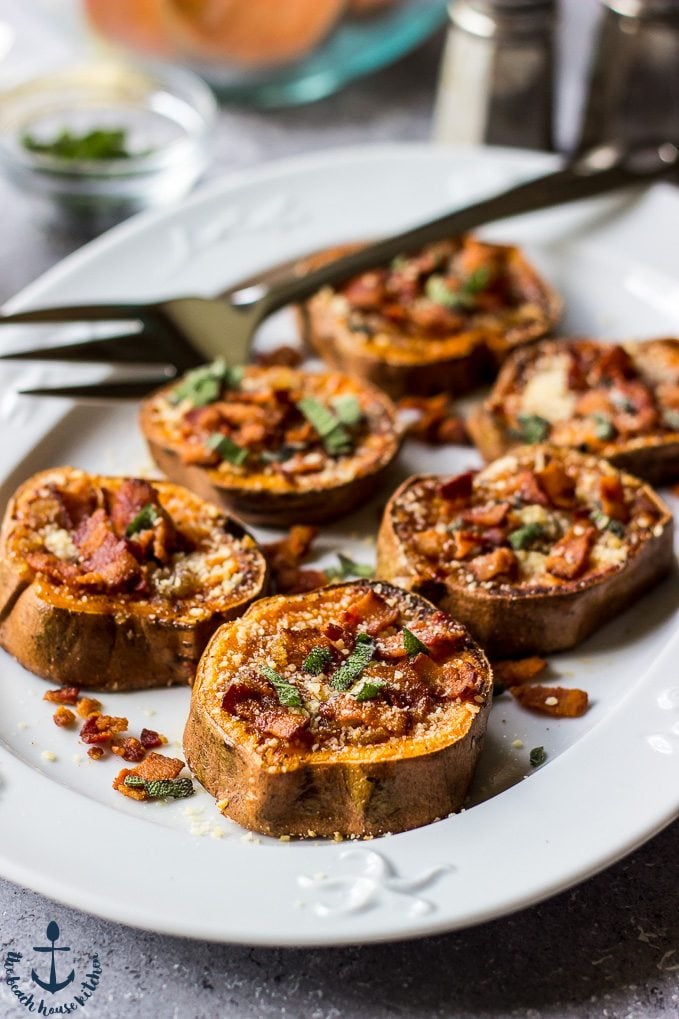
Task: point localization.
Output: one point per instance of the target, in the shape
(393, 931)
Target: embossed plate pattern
(611, 777)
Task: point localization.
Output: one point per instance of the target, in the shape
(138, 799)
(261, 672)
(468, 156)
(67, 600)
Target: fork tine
(125, 390)
(77, 313)
(130, 348)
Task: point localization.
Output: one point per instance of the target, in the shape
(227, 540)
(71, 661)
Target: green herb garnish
(288, 695)
(348, 409)
(438, 289)
(526, 535)
(413, 644)
(99, 143)
(348, 568)
(368, 689)
(161, 788)
(533, 428)
(204, 385)
(227, 449)
(671, 419)
(537, 756)
(622, 402)
(334, 436)
(605, 523)
(604, 427)
(317, 660)
(143, 521)
(351, 669)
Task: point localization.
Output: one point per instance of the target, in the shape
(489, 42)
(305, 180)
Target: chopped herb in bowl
(96, 144)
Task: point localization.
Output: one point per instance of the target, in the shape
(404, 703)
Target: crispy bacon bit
(133, 792)
(87, 706)
(465, 543)
(555, 481)
(428, 543)
(157, 766)
(527, 487)
(102, 728)
(307, 580)
(334, 632)
(459, 488)
(500, 562)
(107, 561)
(612, 497)
(613, 363)
(570, 555)
(282, 724)
(128, 500)
(285, 355)
(515, 672)
(64, 695)
(366, 291)
(285, 556)
(63, 717)
(436, 423)
(130, 749)
(150, 739)
(372, 610)
(96, 753)
(552, 700)
(490, 515)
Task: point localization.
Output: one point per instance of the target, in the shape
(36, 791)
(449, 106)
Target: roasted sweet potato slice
(621, 403)
(552, 569)
(440, 320)
(277, 445)
(125, 594)
(305, 726)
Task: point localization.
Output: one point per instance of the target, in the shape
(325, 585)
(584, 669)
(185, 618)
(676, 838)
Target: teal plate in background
(356, 47)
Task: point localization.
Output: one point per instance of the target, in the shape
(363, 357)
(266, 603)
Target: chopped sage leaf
(438, 289)
(526, 536)
(143, 521)
(537, 756)
(368, 689)
(204, 385)
(604, 427)
(99, 143)
(413, 644)
(605, 523)
(317, 660)
(622, 402)
(227, 449)
(334, 435)
(288, 695)
(348, 409)
(161, 788)
(533, 428)
(351, 669)
(348, 568)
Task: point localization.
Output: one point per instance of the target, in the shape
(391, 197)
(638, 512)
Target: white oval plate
(611, 777)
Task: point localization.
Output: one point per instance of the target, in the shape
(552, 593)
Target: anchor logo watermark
(62, 981)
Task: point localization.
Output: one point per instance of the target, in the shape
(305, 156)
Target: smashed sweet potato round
(534, 552)
(118, 583)
(356, 709)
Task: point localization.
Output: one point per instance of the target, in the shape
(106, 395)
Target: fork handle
(605, 168)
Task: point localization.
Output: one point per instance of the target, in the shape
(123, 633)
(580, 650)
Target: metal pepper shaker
(496, 84)
(634, 81)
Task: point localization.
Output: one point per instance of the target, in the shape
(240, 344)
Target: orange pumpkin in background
(246, 32)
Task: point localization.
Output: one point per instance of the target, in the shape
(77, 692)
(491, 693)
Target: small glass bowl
(167, 116)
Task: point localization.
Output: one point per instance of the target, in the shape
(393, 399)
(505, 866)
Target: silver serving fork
(188, 331)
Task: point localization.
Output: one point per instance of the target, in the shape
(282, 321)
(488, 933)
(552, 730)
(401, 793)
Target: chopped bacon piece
(87, 706)
(303, 580)
(128, 500)
(436, 423)
(440, 634)
(132, 792)
(515, 672)
(64, 695)
(612, 497)
(157, 766)
(335, 632)
(150, 739)
(107, 560)
(557, 483)
(551, 700)
(642, 415)
(285, 355)
(96, 753)
(366, 291)
(526, 485)
(63, 717)
(459, 679)
(372, 610)
(285, 556)
(459, 488)
(569, 556)
(55, 569)
(129, 748)
(498, 563)
(429, 543)
(489, 515)
(464, 543)
(102, 728)
(241, 699)
(613, 364)
(284, 725)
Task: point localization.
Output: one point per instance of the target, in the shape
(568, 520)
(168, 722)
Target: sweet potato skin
(368, 793)
(537, 623)
(105, 647)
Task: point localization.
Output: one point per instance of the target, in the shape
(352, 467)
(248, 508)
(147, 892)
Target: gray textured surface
(608, 948)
